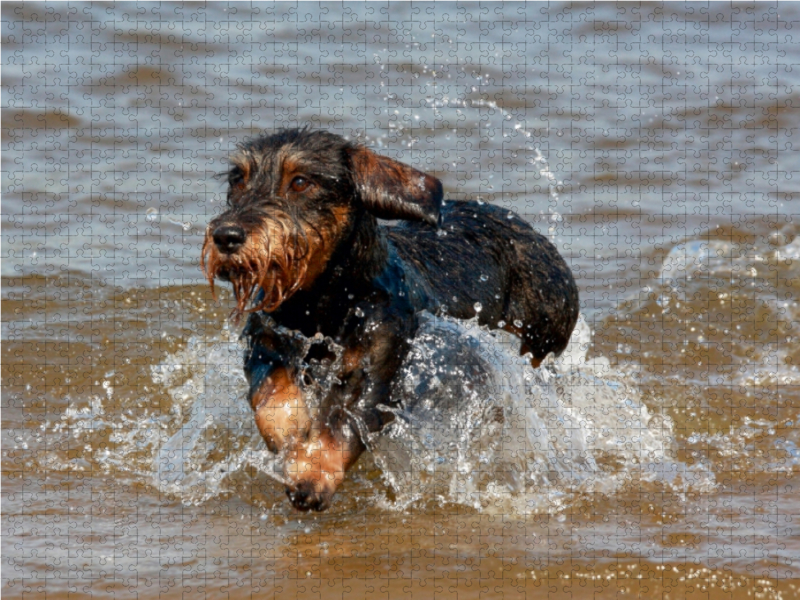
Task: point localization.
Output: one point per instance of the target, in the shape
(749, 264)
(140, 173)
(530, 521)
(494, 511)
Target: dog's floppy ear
(392, 190)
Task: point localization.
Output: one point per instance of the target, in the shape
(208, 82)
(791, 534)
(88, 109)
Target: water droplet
(478, 307)
(484, 277)
(359, 312)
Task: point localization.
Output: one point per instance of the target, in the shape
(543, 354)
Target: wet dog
(301, 245)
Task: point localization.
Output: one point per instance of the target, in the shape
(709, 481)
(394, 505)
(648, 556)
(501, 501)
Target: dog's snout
(229, 238)
(304, 497)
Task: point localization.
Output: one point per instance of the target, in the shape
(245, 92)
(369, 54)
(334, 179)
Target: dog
(302, 247)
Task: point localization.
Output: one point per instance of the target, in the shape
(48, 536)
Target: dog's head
(293, 198)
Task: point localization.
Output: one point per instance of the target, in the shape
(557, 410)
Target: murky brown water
(657, 146)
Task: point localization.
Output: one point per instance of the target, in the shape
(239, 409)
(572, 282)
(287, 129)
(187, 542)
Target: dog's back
(524, 287)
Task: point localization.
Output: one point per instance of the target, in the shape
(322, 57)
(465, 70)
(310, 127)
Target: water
(653, 144)
(478, 426)
(471, 415)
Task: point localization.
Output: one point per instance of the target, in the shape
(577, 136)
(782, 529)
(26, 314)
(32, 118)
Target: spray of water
(475, 425)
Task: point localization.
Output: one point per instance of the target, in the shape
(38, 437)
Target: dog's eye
(300, 184)
(235, 178)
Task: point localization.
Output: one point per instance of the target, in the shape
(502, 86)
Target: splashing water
(538, 161)
(475, 425)
(478, 426)
(217, 437)
(453, 114)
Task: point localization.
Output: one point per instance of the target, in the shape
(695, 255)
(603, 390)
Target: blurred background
(653, 143)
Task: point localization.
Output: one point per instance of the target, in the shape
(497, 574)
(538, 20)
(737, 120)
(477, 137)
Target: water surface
(655, 144)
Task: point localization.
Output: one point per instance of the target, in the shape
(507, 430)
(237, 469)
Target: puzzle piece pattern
(655, 144)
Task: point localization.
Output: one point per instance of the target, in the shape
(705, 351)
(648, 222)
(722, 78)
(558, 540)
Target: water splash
(478, 426)
(475, 425)
(215, 436)
(537, 158)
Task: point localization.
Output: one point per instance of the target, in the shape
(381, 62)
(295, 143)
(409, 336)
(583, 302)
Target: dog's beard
(267, 270)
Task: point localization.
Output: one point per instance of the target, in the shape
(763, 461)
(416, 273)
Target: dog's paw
(305, 497)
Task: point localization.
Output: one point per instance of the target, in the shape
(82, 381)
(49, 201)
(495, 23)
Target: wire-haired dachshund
(301, 245)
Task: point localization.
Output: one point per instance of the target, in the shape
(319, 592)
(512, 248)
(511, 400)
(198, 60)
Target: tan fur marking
(273, 258)
(352, 359)
(281, 412)
(288, 171)
(322, 461)
(321, 249)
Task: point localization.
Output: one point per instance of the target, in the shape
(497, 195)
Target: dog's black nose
(229, 238)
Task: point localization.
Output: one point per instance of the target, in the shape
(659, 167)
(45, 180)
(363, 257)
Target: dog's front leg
(315, 467)
(280, 410)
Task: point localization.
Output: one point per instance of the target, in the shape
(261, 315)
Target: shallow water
(655, 145)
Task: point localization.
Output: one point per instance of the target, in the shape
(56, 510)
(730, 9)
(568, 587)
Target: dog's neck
(364, 256)
(348, 277)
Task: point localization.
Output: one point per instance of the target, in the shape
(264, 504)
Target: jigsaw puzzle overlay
(654, 145)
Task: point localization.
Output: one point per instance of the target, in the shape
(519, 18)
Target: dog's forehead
(274, 159)
(292, 157)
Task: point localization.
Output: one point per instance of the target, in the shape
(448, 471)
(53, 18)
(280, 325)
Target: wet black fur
(487, 255)
(379, 278)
